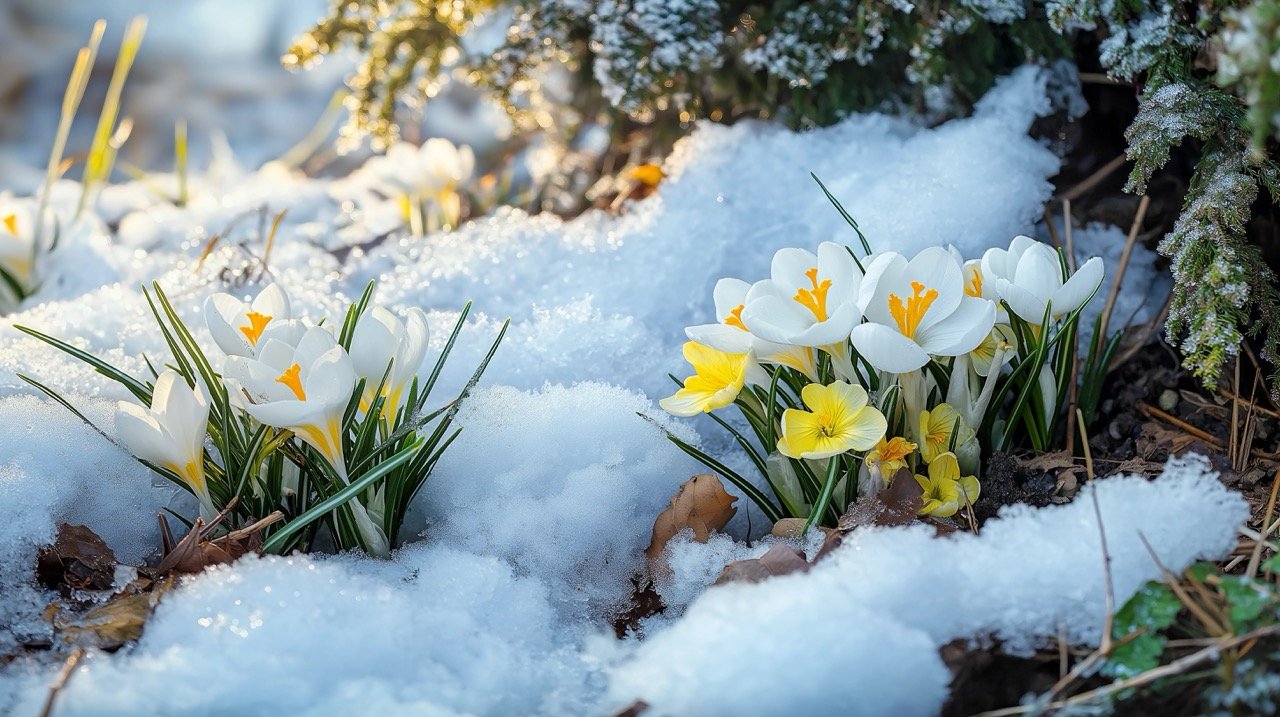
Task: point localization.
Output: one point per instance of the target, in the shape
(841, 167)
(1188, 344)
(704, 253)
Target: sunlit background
(213, 63)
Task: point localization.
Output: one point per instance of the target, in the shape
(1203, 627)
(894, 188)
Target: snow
(879, 607)
(535, 520)
(435, 632)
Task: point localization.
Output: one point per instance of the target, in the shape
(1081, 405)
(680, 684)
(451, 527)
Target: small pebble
(1168, 400)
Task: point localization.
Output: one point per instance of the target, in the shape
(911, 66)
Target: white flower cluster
(285, 374)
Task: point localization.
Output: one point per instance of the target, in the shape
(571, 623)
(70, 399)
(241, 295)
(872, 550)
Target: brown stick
(64, 675)
(1053, 231)
(1152, 412)
(1122, 267)
(1093, 179)
(1066, 233)
(1176, 667)
(1108, 622)
(1098, 78)
(1267, 526)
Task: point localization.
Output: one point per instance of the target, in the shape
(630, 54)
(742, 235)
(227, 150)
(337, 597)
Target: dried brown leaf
(899, 504)
(1138, 466)
(1049, 462)
(701, 505)
(194, 553)
(77, 560)
(779, 560)
(1157, 440)
(112, 624)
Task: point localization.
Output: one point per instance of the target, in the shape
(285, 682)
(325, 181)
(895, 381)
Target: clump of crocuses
(849, 367)
(327, 423)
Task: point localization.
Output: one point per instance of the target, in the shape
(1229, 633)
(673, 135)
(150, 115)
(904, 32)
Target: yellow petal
(801, 434)
(944, 467)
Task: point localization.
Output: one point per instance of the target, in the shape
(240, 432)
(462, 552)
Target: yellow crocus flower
(890, 454)
(838, 420)
(717, 380)
(945, 490)
(936, 428)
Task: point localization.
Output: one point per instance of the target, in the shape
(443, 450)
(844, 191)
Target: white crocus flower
(412, 175)
(170, 433)
(1029, 277)
(382, 340)
(435, 168)
(304, 389)
(731, 335)
(240, 327)
(809, 300)
(917, 309)
(17, 243)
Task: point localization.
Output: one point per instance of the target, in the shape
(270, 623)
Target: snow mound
(434, 632)
(563, 483)
(878, 609)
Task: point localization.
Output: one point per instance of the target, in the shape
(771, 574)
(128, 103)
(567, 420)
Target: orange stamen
(973, 287)
(11, 223)
(257, 323)
(293, 379)
(735, 318)
(909, 315)
(814, 299)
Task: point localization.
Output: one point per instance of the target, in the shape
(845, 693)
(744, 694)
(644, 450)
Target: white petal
(289, 331)
(836, 263)
(276, 355)
(776, 319)
(331, 380)
(313, 344)
(1026, 305)
(273, 301)
(1079, 288)
(721, 337)
(286, 414)
(729, 294)
(143, 436)
(834, 330)
(887, 349)
(788, 268)
(882, 270)
(1039, 270)
(375, 343)
(417, 336)
(219, 311)
(962, 331)
(936, 269)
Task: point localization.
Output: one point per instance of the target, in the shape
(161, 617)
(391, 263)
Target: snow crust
(537, 517)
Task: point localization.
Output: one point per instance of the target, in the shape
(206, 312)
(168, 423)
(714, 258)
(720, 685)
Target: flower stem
(824, 497)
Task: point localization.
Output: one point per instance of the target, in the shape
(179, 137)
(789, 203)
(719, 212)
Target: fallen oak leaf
(701, 505)
(781, 559)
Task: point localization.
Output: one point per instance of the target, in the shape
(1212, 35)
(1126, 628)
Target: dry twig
(68, 668)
